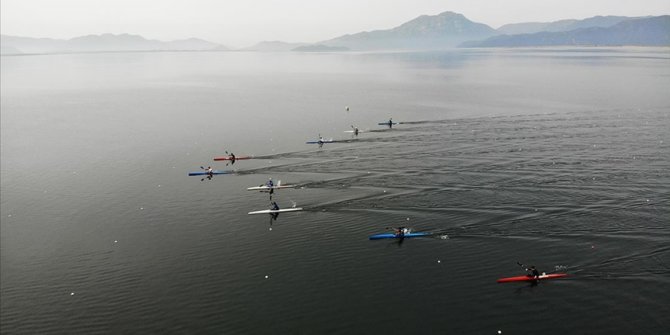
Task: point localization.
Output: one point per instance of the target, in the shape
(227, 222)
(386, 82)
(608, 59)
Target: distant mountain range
(652, 31)
(104, 42)
(445, 30)
(562, 25)
(320, 48)
(449, 29)
(273, 46)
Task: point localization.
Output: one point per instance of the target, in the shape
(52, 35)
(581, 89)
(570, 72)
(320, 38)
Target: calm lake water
(554, 157)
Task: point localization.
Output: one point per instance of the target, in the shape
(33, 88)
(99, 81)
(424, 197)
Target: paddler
(401, 231)
(270, 184)
(210, 171)
(532, 272)
(232, 157)
(320, 141)
(275, 207)
(391, 123)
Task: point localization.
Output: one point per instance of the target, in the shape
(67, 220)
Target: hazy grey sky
(244, 22)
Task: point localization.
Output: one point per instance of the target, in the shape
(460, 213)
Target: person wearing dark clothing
(532, 272)
(400, 231)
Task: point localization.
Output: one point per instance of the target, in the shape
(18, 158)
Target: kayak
(392, 235)
(265, 187)
(228, 158)
(205, 173)
(529, 278)
(317, 142)
(273, 211)
(387, 123)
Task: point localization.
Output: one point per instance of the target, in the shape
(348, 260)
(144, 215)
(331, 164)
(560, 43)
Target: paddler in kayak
(209, 171)
(232, 158)
(275, 207)
(391, 123)
(400, 231)
(532, 272)
(320, 141)
(355, 130)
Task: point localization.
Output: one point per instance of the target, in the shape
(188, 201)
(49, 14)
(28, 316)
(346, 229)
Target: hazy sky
(239, 23)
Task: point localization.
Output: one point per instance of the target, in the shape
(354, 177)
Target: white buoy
(141, 208)
(71, 293)
(115, 241)
(499, 331)
(266, 276)
(439, 261)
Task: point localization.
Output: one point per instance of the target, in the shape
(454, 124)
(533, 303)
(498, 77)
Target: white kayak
(273, 211)
(266, 187)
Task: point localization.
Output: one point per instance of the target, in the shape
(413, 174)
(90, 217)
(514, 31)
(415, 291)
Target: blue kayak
(392, 235)
(205, 173)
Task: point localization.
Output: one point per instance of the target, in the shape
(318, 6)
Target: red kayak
(530, 278)
(228, 158)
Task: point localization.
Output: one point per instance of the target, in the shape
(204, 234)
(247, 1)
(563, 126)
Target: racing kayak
(392, 235)
(265, 187)
(205, 173)
(323, 142)
(229, 158)
(273, 211)
(530, 278)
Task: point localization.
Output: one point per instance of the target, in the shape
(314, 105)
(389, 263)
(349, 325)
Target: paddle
(528, 269)
(525, 268)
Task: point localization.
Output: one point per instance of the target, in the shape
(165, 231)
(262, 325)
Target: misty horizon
(239, 25)
(420, 25)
